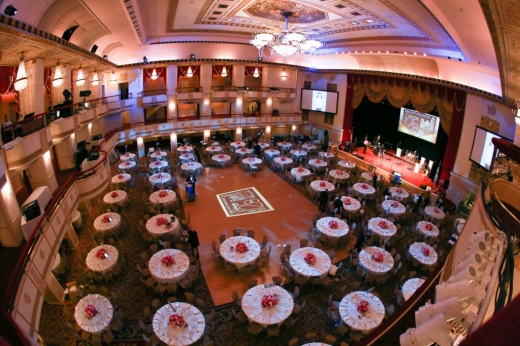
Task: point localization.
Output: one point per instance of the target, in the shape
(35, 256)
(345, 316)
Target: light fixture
(154, 75)
(113, 79)
(57, 81)
(95, 79)
(189, 73)
(516, 112)
(224, 72)
(10, 10)
(256, 73)
(283, 75)
(285, 44)
(80, 79)
(21, 76)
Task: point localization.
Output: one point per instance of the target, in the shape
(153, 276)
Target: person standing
(419, 201)
(7, 122)
(324, 199)
(258, 149)
(359, 241)
(374, 180)
(190, 190)
(193, 239)
(337, 205)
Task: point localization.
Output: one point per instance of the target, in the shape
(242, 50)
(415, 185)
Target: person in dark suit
(359, 241)
(324, 199)
(193, 239)
(419, 201)
(337, 205)
(258, 149)
(197, 155)
(374, 180)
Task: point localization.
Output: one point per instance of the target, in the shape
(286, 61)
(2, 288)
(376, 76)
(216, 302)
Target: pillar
(267, 134)
(173, 141)
(41, 173)
(239, 72)
(140, 147)
(171, 90)
(238, 134)
(10, 213)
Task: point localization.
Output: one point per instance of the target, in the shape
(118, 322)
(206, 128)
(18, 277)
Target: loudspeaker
(31, 210)
(422, 187)
(84, 93)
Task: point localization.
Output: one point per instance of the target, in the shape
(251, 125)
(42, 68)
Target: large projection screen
(482, 150)
(319, 101)
(420, 125)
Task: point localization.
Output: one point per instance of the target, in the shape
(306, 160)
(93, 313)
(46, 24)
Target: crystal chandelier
(154, 75)
(21, 76)
(57, 81)
(95, 79)
(80, 80)
(224, 72)
(286, 44)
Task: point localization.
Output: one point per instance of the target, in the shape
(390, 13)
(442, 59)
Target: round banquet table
(346, 164)
(368, 176)
(191, 166)
(167, 200)
(99, 323)
(282, 160)
(121, 178)
(115, 197)
(350, 204)
(410, 286)
(398, 192)
(221, 158)
(363, 189)
(359, 321)
(272, 152)
(159, 154)
(326, 155)
(319, 269)
(172, 274)
(214, 149)
(434, 212)
(187, 157)
(127, 165)
(321, 185)
(236, 145)
(284, 145)
(176, 336)
(323, 226)
(317, 163)
(264, 145)
(338, 175)
(159, 231)
(160, 178)
(417, 253)
(393, 207)
(300, 172)
(252, 161)
(367, 261)
(252, 305)
(308, 146)
(243, 151)
(316, 344)
(374, 226)
(240, 259)
(298, 153)
(427, 228)
(158, 164)
(110, 226)
(102, 265)
(184, 148)
(127, 157)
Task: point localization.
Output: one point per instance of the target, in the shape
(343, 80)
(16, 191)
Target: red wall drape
(147, 73)
(457, 118)
(182, 70)
(217, 70)
(6, 73)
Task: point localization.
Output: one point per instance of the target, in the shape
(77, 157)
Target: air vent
(217, 12)
(355, 13)
(340, 6)
(212, 18)
(222, 6)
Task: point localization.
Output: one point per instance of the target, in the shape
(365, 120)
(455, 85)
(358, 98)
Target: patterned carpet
(133, 296)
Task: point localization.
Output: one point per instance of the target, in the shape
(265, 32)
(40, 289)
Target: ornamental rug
(243, 202)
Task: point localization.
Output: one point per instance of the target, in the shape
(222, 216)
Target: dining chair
(278, 280)
(255, 328)
(251, 233)
(222, 238)
(304, 242)
(264, 241)
(240, 316)
(236, 299)
(252, 282)
(273, 330)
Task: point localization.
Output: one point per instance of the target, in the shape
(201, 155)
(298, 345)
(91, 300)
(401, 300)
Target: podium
(398, 152)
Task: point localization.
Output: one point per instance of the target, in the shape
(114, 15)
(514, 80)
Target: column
(41, 173)
(239, 77)
(65, 153)
(206, 74)
(10, 212)
(267, 134)
(238, 134)
(516, 140)
(171, 86)
(140, 147)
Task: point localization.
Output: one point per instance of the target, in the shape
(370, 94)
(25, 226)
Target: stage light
(145, 59)
(10, 10)
(192, 56)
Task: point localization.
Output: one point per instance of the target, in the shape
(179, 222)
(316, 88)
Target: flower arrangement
(425, 251)
(364, 186)
(213, 147)
(436, 210)
(310, 259)
(363, 306)
(168, 261)
(300, 170)
(378, 257)
(114, 194)
(284, 143)
(395, 205)
(106, 218)
(126, 155)
(269, 301)
(127, 163)
(382, 224)
(428, 226)
(101, 254)
(338, 172)
(177, 320)
(399, 191)
(163, 194)
(317, 161)
(347, 201)
(333, 224)
(221, 156)
(283, 158)
(322, 184)
(90, 311)
(241, 247)
(159, 175)
(120, 176)
(161, 221)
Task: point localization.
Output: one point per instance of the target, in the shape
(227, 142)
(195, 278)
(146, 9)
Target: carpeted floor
(133, 296)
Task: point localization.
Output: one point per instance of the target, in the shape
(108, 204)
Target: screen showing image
(482, 150)
(420, 125)
(319, 101)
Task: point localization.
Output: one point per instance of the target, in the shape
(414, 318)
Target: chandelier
(285, 44)
(80, 79)
(95, 79)
(21, 76)
(57, 81)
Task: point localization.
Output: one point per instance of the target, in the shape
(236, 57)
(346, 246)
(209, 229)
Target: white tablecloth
(99, 323)
(338, 175)
(356, 320)
(308, 146)
(214, 149)
(398, 192)
(326, 155)
(121, 178)
(318, 163)
(416, 252)
(104, 265)
(252, 161)
(423, 226)
(167, 200)
(398, 209)
(127, 157)
(350, 204)
(389, 231)
(300, 172)
(321, 185)
(158, 164)
(160, 178)
(252, 305)
(172, 274)
(298, 153)
(240, 259)
(191, 166)
(363, 188)
(159, 154)
(323, 226)
(127, 165)
(284, 145)
(319, 269)
(159, 231)
(282, 160)
(272, 152)
(236, 145)
(243, 151)
(177, 336)
(373, 267)
(187, 157)
(184, 149)
(110, 226)
(434, 212)
(264, 145)
(368, 176)
(410, 286)
(221, 158)
(346, 164)
(119, 199)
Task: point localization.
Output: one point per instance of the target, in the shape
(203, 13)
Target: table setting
(298, 153)
(308, 146)
(361, 311)
(326, 155)
(214, 149)
(368, 176)
(252, 161)
(159, 154)
(160, 178)
(363, 188)
(350, 204)
(162, 224)
(410, 286)
(236, 145)
(332, 227)
(221, 158)
(240, 251)
(127, 157)
(318, 163)
(93, 313)
(346, 164)
(163, 197)
(191, 166)
(375, 260)
(428, 229)
(178, 324)
(299, 172)
(121, 178)
(283, 160)
(169, 266)
(393, 207)
(310, 262)
(267, 304)
(423, 252)
(244, 151)
(127, 165)
(338, 175)
(284, 145)
(398, 193)
(434, 212)
(272, 152)
(184, 149)
(383, 227)
(322, 185)
(264, 145)
(187, 157)
(102, 259)
(107, 222)
(115, 197)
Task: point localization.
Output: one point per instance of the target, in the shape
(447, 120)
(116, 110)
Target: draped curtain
(217, 70)
(250, 70)
(161, 74)
(182, 70)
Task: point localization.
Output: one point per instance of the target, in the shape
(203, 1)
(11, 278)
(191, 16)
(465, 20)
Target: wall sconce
(80, 79)
(283, 75)
(95, 79)
(57, 81)
(113, 80)
(516, 112)
(21, 76)
(256, 74)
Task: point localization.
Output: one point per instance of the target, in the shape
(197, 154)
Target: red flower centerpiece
(114, 194)
(168, 261)
(161, 221)
(213, 147)
(221, 156)
(317, 161)
(106, 218)
(322, 184)
(241, 247)
(163, 193)
(101, 254)
(90, 311)
(310, 259)
(425, 251)
(364, 186)
(338, 172)
(177, 320)
(127, 163)
(436, 210)
(283, 158)
(363, 306)
(378, 257)
(269, 301)
(126, 155)
(347, 201)
(395, 205)
(300, 170)
(333, 224)
(120, 176)
(428, 227)
(399, 191)
(383, 224)
(159, 175)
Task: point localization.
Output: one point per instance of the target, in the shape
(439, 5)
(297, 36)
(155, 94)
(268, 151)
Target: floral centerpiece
(163, 193)
(378, 257)
(241, 247)
(161, 221)
(383, 224)
(120, 176)
(363, 306)
(425, 251)
(310, 259)
(436, 210)
(177, 320)
(213, 147)
(333, 224)
(221, 156)
(347, 201)
(300, 170)
(395, 205)
(106, 218)
(317, 161)
(159, 175)
(283, 158)
(90, 311)
(269, 301)
(114, 194)
(101, 254)
(127, 163)
(168, 261)
(322, 184)
(338, 172)
(364, 186)
(428, 226)
(399, 191)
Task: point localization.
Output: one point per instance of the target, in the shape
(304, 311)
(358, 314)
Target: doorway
(123, 90)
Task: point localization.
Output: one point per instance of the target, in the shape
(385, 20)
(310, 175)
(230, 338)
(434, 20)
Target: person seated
(426, 170)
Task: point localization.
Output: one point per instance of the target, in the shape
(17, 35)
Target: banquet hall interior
(259, 172)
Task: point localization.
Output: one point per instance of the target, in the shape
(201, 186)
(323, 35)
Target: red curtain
(6, 73)
(147, 73)
(457, 118)
(182, 70)
(217, 70)
(250, 70)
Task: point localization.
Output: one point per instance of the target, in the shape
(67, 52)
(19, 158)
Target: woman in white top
(317, 102)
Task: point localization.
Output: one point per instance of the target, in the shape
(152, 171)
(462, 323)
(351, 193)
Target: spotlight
(260, 59)
(192, 56)
(105, 57)
(145, 59)
(10, 10)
